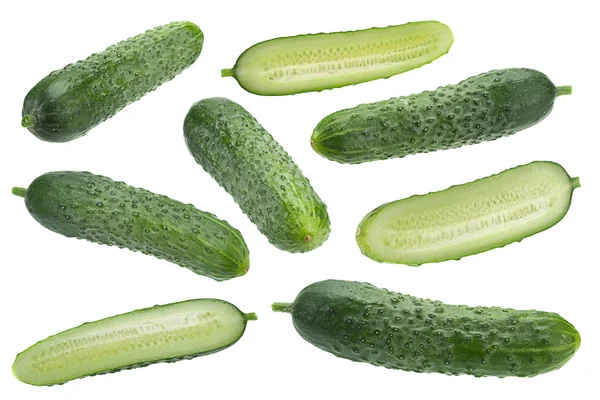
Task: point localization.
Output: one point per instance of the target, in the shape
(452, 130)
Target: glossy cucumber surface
(482, 108)
(360, 322)
(166, 333)
(306, 63)
(469, 218)
(69, 102)
(98, 209)
(230, 144)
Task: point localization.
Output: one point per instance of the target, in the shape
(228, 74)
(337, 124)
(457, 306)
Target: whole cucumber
(230, 144)
(361, 322)
(98, 209)
(482, 108)
(69, 102)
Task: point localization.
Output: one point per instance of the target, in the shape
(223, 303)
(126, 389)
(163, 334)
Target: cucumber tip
(226, 72)
(27, 121)
(19, 191)
(250, 316)
(564, 90)
(282, 307)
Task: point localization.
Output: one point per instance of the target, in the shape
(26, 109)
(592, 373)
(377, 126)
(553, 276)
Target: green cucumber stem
(564, 90)
(250, 316)
(227, 72)
(575, 183)
(27, 121)
(282, 307)
(19, 191)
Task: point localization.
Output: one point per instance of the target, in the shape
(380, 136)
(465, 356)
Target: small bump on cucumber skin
(544, 171)
(18, 372)
(69, 102)
(98, 209)
(360, 322)
(481, 108)
(232, 146)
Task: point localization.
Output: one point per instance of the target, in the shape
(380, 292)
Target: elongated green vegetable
(482, 108)
(69, 102)
(167, 333)
(360, 322)
(256, 171)
(470, 218)
(306, 63)
(98, 209)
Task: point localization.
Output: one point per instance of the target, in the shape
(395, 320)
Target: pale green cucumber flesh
(469, 218)
(162, 333)
(316, 62)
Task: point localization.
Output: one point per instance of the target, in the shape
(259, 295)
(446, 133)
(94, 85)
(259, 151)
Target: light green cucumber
(470, 218)
(306, 63)
(166, 333)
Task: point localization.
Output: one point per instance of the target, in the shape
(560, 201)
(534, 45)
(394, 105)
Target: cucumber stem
(250, 316)
(19, 191)
(226, 72)
(282, 307)
(27, 121)
(575, 183)
(564, 90)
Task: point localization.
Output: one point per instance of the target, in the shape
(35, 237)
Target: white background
(49, 283)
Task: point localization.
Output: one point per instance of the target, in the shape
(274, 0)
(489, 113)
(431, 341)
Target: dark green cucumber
(470, 218)
(305, 63)
(98, 209)
(361, 322)
(249, 164)
(482, 108)
(69, 102)
(166, 333)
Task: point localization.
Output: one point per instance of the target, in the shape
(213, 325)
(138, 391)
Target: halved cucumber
(469, 218)
(139, 338)
(306, 63)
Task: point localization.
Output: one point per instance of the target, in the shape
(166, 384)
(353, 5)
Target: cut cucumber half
(306, 63)
(139, 338)
(469, 218)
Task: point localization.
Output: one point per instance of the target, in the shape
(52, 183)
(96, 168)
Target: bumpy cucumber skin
(69, 102)
(98, 209)
(247, 317)
(268, 90)
(363, 227)
(361, 322)
(256, 171)
(482, 108)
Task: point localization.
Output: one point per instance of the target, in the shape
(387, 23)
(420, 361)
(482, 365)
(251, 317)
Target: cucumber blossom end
(27, 121)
